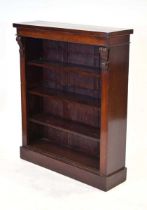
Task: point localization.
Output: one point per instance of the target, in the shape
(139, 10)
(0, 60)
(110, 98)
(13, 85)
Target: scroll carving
(104, 58)
(21, 44)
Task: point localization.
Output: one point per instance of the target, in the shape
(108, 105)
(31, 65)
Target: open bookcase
(63, 89)
(74, 88)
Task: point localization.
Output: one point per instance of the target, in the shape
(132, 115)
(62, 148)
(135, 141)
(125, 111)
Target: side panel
(114, 111)
(117, 108)
(21, 43)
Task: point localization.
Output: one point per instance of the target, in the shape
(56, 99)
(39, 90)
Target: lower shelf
(66, 155)
(80, 129)
(37, 154)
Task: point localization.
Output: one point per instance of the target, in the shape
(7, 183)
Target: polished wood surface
(79, 69)
(104, 183)
(21, 43)
(92, 35)
(74, 99)
(65, 125)
(98, 30)
(114, 110)
(65, 154)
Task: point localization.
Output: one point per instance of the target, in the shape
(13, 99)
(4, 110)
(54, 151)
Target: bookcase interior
(64, 94)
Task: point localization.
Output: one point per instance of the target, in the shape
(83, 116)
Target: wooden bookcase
(74, 99)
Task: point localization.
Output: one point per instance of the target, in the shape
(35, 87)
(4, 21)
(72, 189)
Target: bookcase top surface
(95, 30)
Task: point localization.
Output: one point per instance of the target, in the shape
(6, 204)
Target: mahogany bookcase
(74, 83)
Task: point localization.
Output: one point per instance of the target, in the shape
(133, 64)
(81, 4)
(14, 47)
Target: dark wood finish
(104, 183)
(75, 28)
(104, 106)
(117, 108)
(74, 99)
(21, 42)
(65, 155)
(80, 34)
(83, 70)
(68, 126)
(64, 138)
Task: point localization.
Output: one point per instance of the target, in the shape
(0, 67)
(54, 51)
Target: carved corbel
(20, 42)
(104, 58)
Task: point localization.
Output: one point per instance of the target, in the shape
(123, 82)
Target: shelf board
(59, 123)
(66, 96)
(66, 155)
(58, 66)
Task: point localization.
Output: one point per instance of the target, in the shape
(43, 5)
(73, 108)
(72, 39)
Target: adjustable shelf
(74, 100)
(62, 95)
(68, 126)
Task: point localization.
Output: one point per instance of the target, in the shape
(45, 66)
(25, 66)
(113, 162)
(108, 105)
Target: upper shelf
(58, 66)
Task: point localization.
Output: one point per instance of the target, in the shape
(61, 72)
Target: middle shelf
(62, 95)
(46, 119)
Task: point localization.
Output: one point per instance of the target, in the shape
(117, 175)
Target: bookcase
(74, 99)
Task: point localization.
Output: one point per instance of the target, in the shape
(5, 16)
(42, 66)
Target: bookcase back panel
(85, 56)
(71, 53)
(64, 109)
(65, 52)
(34, 77)
(72, 82)
(68, 82)
(72, 111)
(33, 48)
